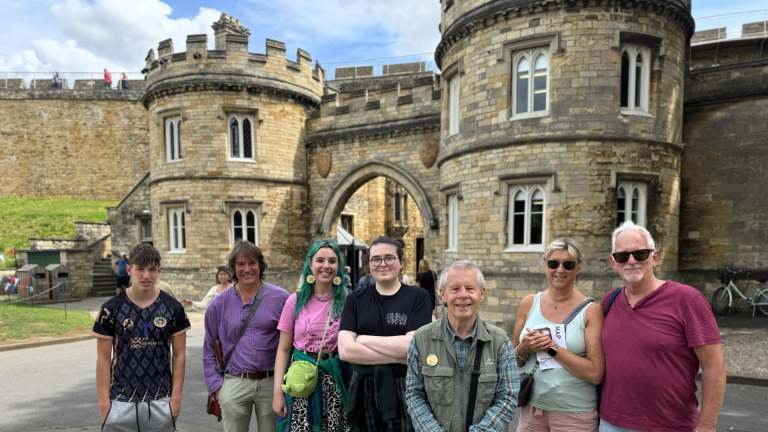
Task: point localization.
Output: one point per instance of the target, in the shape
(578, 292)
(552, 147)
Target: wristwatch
(552, 351)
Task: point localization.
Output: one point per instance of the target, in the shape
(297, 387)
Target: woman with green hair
(310, 319)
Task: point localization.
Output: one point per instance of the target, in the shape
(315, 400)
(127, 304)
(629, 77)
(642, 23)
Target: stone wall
(723, 214)
(125, 220)
(56, 243)
(83, 144)
(366, 206)
(80, 264)
(92, 231)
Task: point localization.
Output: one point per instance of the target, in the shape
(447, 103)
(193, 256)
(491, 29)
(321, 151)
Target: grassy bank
(21, 218)
(19, 321)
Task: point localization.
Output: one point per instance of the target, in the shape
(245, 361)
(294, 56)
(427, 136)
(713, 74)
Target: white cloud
(104, 34)
(404, 26)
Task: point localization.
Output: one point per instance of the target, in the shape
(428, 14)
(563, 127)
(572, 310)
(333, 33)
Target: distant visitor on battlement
(107, 79)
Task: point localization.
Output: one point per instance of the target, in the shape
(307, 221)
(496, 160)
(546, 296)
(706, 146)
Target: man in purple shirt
(248, 380)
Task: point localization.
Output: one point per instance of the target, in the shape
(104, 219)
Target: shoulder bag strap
(322, 342)
(473, 384)
(251, 312)
(610, 301)
(576, 311)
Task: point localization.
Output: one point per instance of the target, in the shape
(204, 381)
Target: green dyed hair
(306, 289)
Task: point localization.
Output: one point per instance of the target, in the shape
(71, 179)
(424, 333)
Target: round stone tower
(560, 118)
(227, 155)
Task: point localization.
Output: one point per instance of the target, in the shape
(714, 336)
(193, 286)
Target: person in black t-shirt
(141, 333)
(427, 279)
(377, 325)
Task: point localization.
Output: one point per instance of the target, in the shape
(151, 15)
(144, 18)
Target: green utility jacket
(446, 386)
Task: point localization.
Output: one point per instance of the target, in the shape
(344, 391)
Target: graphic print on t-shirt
(141, 342)
(315, 331)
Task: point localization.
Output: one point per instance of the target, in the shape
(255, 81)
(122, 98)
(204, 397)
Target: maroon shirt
(650, 366)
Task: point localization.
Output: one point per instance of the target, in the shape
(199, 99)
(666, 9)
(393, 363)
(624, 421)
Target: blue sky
(88, 35)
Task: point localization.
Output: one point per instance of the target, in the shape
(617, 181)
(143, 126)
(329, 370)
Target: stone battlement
(231, 65)
(374, 101)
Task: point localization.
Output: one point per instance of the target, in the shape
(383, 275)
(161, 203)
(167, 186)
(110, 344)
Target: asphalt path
(54, 387)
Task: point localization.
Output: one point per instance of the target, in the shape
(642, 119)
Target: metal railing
(731, 26)
(69, 81)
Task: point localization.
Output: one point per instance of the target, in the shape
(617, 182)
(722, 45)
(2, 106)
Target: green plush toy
(301, 379)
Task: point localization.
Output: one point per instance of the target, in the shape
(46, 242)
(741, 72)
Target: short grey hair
(461, 265)
(631, 226)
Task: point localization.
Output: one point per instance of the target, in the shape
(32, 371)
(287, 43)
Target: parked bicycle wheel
(762, 298)
(720, 301)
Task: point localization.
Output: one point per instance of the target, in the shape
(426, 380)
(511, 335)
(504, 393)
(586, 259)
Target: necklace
(553, 300)
(324, 298)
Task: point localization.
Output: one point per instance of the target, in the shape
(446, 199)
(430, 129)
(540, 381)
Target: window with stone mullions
(241, 137)
(635, 79)
(173, 139)
(453, 105)
(631, 203)
(526, 217)
(177, 230)
(453, 223)
(397, 207)
(531, 84)
(244, 226)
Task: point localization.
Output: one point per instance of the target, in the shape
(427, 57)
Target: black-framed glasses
(329, 241)
(388, 260)
(554, 264)
(640, 255)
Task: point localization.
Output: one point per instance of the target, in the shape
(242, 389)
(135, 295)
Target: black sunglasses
(640, 255)
(329, 241)
(554, 264)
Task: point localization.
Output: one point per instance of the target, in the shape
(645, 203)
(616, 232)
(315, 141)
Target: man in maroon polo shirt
(656, 335)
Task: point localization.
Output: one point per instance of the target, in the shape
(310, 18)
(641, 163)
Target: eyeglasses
(329, 241)
(640, 255)
(388, 260)
(554, 264)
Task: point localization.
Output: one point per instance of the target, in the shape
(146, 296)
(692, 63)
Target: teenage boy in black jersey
(138, 380)
(377, 325)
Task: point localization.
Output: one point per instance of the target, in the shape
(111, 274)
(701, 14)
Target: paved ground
(52, 387)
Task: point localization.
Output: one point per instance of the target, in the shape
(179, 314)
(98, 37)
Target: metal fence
(731, 26)
(70, 81)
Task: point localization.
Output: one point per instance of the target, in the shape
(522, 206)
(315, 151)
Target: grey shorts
(151, 416)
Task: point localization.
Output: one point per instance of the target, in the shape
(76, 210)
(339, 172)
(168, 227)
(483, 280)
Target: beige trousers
(240, 397)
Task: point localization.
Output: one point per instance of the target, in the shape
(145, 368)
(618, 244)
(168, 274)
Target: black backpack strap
(610, 300)
(473, 383)
(251, 312)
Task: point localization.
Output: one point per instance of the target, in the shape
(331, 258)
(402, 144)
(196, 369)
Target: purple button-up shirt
(257, 349)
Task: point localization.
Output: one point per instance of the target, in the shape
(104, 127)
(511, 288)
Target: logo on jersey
(103, 316)
(146, 329)
(127, 323)
(135, 342)
(160, 322)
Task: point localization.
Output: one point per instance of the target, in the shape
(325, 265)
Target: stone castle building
(548, 119)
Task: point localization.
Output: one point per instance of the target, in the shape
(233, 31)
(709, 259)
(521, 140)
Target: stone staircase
(104, 280)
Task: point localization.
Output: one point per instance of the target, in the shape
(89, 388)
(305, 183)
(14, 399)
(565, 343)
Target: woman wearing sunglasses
(309, 331)
(562, 398)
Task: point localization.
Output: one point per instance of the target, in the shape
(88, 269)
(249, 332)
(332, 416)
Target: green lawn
(21, 218)
(19, 321)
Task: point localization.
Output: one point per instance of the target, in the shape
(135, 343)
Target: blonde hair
(563, 244)
(423, 266)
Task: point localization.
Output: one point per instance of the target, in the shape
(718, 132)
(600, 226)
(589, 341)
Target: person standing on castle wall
(223, 280)
(309, 330)
(107, 79)
(377, 325)
(56, 81)
(656, 336)
(139, 324)
(123, 279)
(124, 82)
(246, 383)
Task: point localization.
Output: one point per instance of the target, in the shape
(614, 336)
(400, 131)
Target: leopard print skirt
(334, 418)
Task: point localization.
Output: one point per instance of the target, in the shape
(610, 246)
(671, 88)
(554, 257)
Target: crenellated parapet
(371, 107)
(232, 67)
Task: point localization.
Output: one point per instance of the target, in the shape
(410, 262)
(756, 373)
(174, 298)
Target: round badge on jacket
(160, 322)
(432, 360)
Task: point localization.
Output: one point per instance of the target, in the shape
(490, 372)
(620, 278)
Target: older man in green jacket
(441, 360)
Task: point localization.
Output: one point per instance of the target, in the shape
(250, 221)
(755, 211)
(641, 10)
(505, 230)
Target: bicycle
(722, 299)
